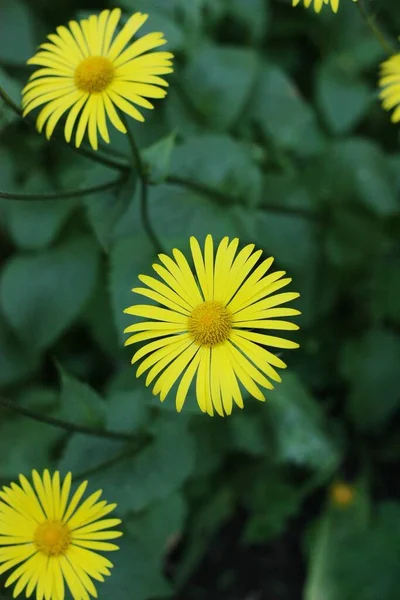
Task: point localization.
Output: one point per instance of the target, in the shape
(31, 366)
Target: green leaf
(17, 359)
(13, 90)
(178, 213)
(16, 32)
(300, 432)
(129, 257)
(79, 402)
(27, 445)
(247, 434)
(384, 291)
(136, 574)
(219, 94)
(35, 224)
(128, 411)
(370, 366)
(152, 474)
(343, 97)
(160, 526)
(158, 156)
(283, 115)
(220, 162)
(105, 210)
(356, 169)
(349, 561)
(56, 284)
(271, 501)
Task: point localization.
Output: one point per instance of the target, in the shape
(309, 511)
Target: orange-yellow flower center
(342, 494)
(94, 74)
(210, 324)
(52, 538)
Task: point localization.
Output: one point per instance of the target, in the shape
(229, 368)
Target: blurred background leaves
(272, 132)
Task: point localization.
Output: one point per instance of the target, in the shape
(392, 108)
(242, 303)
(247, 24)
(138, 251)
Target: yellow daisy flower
(48, 539)
(88, 71)
(207, 325)
(318, 4)
(390, 83)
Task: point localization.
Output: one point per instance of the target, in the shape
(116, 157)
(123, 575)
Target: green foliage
(271, 132)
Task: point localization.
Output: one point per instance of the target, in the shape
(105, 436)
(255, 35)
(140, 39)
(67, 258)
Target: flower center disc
(94, 74)
(52, 538)
(210, 324)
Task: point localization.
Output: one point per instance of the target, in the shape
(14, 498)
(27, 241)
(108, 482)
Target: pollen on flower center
(94, 74)
(210, 323)
(52, 538)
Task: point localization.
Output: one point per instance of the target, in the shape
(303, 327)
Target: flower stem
(375, 29)
(66, 425)
(144, 197)
(61, 195)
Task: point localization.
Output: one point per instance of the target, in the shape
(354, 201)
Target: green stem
(375, 29)
(144, 198)
(10, 103)
(66, 425)
(61, 195)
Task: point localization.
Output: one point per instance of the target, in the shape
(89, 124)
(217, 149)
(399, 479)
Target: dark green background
(277, 110)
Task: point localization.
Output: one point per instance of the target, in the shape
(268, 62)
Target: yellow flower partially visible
(318, 4)
(211, 323)
(390, 83)
(49, 539)
(342, 494)
(88, 72)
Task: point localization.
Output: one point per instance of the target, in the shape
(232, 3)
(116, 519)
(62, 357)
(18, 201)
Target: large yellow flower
(48, 539)
(390, 84)
(207, 325)
(88, 71)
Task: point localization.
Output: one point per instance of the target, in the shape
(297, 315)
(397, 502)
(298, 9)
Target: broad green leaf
(219, 93)
(299, 428)
(27, 445)
(129, 257)
(370, 366)
(247, 434)
(12, 89)
(357, 170)
(105, 210)
(251, 15)
(157, 158)
(79, 402)
(56, 284)
(16, 32)
(35, 224)
(18, 360)
(128, 411)
(159, 527)
(150, 474)
(177, 213)
(220, 162)
(136, 574)
(283, 115)
(384, 291)
(343, 97)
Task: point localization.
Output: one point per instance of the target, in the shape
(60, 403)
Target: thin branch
(10, 103)
(140, 443)
(144, 199)
(375, 29)
(66, 425)
(227, 198)
(61, 195)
